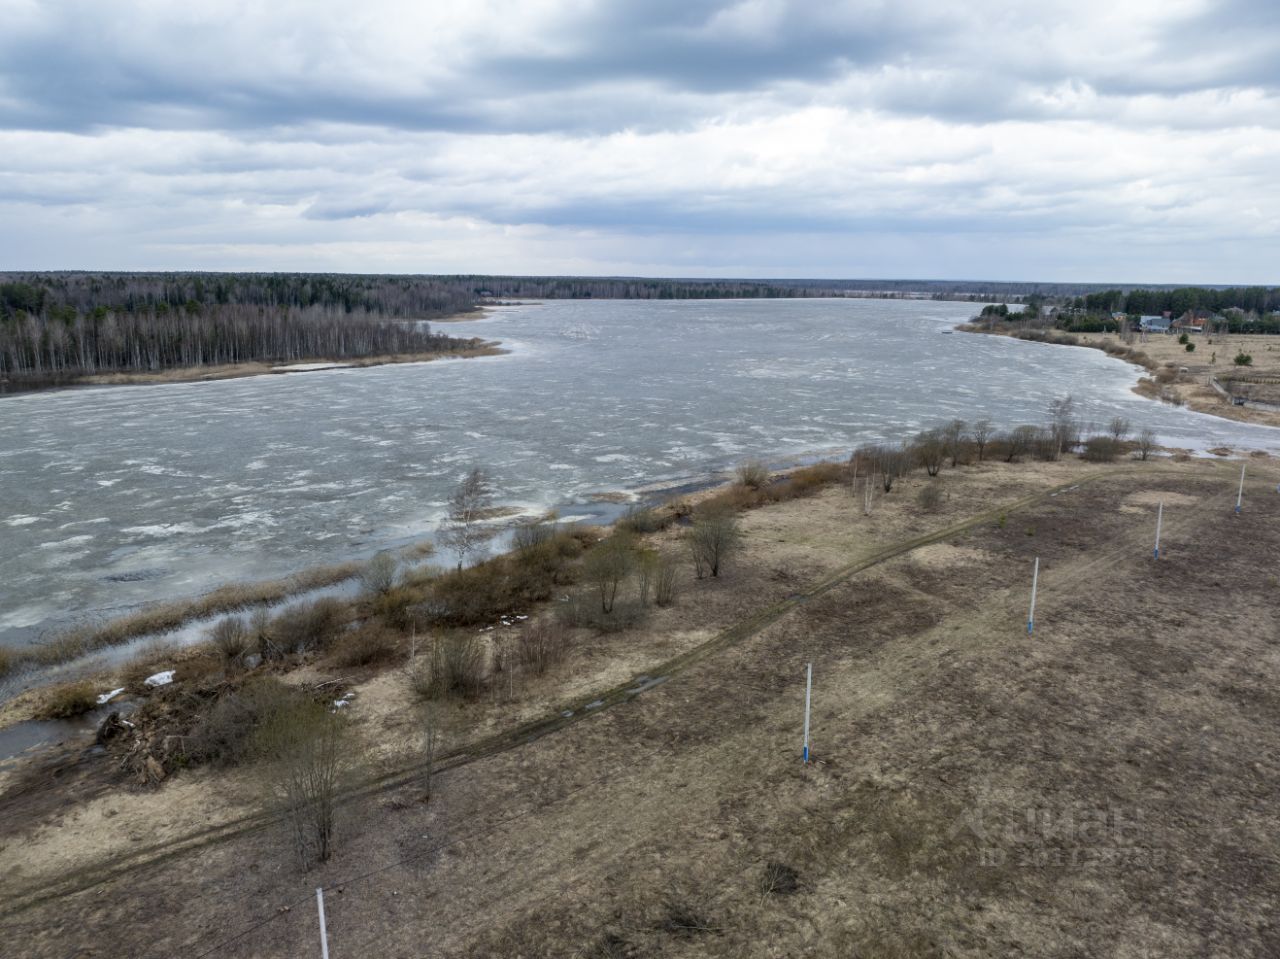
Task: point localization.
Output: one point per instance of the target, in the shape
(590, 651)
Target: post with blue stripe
(1240, 495)
(808, 698)
(1159, 520)
(1035, 581)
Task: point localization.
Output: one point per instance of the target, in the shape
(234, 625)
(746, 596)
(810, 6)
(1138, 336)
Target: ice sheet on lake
(237, 480)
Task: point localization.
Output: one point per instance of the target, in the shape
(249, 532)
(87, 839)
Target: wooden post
(1240, 495)
(1159, 521)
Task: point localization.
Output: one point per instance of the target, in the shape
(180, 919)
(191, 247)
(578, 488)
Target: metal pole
(1035, 580)
(324, 934)
(1159, 520)
(808, 697)
(1240, 495)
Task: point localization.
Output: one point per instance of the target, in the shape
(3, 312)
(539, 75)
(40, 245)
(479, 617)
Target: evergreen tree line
(1251, 299)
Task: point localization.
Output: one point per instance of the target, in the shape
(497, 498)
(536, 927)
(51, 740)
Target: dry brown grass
(67, 701)
(369, 645)
(164, 617)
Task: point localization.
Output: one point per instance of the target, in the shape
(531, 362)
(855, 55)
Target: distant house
(1192, 321)
(1154, 324)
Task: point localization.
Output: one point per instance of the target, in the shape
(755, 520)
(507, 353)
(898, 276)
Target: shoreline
(58, 657)
(1182, 390)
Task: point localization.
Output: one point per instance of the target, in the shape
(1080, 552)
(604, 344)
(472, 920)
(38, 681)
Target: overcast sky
(1107, 140)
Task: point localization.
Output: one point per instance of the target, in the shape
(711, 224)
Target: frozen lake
(110, 497)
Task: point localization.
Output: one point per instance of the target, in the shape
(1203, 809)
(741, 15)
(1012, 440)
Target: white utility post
(1159, 520)
(324, 934)
(1035, 581)
(808, 698)
(1240, 495)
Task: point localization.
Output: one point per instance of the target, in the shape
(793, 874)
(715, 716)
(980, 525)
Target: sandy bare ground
(1104, 787)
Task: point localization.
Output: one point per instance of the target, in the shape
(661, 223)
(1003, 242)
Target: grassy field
(1104, 787)
(1213, 356)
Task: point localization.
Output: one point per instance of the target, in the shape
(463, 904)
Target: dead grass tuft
(67, 701)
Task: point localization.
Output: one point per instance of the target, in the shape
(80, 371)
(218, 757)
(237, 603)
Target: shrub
(665, 581)
(930, 451)
(1146, 443)
(364, 647)
(394, 607)
(930, 497)
(8, 662)
(583, 610)
(306, 626)
(644, 519)
(1166, 375)
(1099, 449)
(480, 594)
(304, 746)
(540, 646)
(224, 733)
(1191, 347)
(713, 536)
(531, 534)
(810, 479)
(262, 635)
(1018, 442)
(1184, 338)
(67, 701)
(752, 474)
(230, 637)
(1243, 359)
(455, 667)
(379, 574)
(608, 564)
(779, 879)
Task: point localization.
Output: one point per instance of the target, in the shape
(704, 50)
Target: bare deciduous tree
(981, 435)
(930, 451)
(665, 583)
(463, 531)
(1064, 429)
(1119, 428)
(304, 748)
(953, 439)
(607, 565)
(1019, 441)
(1146, 444)
(712, 537)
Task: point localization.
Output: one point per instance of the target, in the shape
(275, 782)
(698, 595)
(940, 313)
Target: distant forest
(59, 327)
(1252, 299)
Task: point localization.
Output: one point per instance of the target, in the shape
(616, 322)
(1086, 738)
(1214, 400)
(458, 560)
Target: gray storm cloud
(1086, 140)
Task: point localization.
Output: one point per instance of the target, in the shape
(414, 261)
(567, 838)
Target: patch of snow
(159, 679)
(107, 697)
